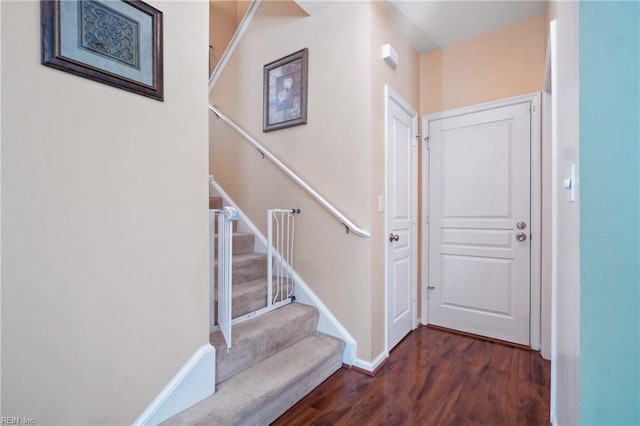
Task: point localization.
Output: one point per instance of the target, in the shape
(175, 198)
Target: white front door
(401, 186)
(479, 222)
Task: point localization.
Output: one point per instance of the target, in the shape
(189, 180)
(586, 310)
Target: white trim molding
(195, 381)
(371, 366)
(536, 172)
(311, 7)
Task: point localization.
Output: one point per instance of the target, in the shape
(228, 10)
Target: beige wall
(104, 227)
(332, 152)
(340, 152)
(223, 21)
(405, 81)
(503, 63)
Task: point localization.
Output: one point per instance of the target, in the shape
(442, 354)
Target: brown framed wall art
(285, 91)
(114, 42)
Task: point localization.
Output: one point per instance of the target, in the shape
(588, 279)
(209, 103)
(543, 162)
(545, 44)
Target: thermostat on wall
(390, 56)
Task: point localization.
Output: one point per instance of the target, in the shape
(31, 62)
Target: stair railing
(226, 217)
(280, 244)
(348, 224)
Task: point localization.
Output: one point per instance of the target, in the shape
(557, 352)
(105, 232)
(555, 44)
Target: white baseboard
(327, 322)
(371, 366)
(195, 381)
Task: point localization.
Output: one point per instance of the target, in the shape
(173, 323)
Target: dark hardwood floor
(434, 377)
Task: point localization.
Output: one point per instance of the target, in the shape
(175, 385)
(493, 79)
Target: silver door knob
(394, 237)
(521, 236)
(521, 225)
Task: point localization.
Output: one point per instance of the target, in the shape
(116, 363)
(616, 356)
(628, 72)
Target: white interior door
(401, 187)
(479, 222)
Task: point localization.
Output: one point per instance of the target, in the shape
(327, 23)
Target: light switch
(380, 203)
(570, 184)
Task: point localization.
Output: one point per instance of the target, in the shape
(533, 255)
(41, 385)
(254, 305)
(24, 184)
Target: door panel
(401, 222)
(479, 273)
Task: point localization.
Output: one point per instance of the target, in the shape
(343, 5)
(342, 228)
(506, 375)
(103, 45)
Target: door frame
(535, 297)
(391, 95)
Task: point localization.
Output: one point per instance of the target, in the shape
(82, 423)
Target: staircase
(276, 358)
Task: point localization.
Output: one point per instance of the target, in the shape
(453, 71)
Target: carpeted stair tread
(259, 338)
(263, 392)
(243, 243)
(247, 267)
(249, 296)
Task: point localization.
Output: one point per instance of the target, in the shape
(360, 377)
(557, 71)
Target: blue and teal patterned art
(117, 42)
(109, 33)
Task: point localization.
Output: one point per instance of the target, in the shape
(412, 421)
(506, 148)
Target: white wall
(104, 227)
(567, 274)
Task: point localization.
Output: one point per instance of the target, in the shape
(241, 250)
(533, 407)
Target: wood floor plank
(435, 378)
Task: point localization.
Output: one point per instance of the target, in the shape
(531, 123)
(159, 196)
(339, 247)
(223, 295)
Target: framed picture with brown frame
(285, 91)
(113, 42)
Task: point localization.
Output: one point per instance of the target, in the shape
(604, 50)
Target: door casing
(392, 96)
(534, 100)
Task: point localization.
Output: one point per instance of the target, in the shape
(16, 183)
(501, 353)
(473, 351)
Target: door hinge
(428, 219)
(426, 139)
(429, 287)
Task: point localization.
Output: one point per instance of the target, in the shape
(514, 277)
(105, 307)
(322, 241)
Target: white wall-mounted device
(569, 184)
(390, 56)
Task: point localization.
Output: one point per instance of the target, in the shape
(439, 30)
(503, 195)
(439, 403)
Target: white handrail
(319, 198)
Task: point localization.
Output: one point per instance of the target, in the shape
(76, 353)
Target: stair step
(259, 338)
(215, 202)
(215, 226)
(242, 243)
(247, 267)
(249, 296)
(263, 392)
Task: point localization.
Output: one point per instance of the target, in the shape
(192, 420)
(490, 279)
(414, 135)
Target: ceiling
(431, 25)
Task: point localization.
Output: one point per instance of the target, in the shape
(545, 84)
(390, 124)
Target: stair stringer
(327, 322)
(194, 382)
